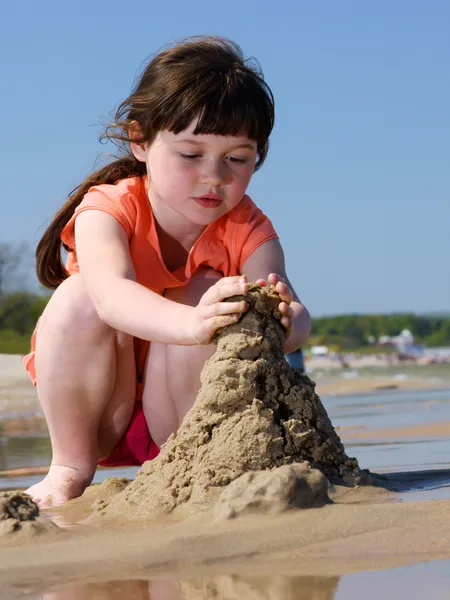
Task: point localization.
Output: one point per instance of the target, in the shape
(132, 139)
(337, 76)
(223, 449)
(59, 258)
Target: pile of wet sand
(19, 516)
(254, 416)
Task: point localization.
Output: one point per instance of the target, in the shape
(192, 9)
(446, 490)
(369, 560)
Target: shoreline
(14, 379)
(367, 387)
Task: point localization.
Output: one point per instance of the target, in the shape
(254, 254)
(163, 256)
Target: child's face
(200, 177)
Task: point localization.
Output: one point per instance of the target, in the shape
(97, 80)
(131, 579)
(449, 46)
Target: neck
(175, 226)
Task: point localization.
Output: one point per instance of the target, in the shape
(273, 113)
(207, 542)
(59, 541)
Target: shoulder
(245, 210)
(246, 218)
(123, 200)
(126, 192)
(120, 200)
(246, 228)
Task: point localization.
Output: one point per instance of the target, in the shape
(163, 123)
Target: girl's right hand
(211, 313)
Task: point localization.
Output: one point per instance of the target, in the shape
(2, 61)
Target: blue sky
(357, 180)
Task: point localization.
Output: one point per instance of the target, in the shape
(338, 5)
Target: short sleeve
(106, 198)
(251, 229)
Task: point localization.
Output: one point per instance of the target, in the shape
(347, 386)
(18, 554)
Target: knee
(70, 307)
(200, 282)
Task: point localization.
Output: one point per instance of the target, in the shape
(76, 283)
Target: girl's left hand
(286, 298)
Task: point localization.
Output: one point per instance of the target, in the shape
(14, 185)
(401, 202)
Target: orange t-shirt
(224, 245)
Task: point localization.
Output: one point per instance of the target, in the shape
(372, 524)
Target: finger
(284, 291)
(281, 286)
(223, 321)
(274, 278)
(226, 308)
(286, 309)
(286, 322)
(225, 288)
(261, 282)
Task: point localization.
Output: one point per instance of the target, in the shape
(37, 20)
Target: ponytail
(49, 265)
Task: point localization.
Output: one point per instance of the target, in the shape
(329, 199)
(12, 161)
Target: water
(393, 410)
(432, 372)
(373, 412)
(426, 580)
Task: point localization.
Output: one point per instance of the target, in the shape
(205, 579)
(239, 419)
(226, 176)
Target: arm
(268, 259)
(108, 274)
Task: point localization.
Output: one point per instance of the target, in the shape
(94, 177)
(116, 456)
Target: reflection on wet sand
(278, 587)
(223, 587)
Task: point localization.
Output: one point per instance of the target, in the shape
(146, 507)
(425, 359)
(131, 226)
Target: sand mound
(273, 492)
(17, 506)
(109, 488)
(19, 515)
(253, 413)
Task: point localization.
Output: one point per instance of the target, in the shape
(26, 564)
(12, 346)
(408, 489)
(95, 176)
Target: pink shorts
(136, 445)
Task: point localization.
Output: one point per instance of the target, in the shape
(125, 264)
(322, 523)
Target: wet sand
(401, 521)
(299, 555)
(365, 384)
(364, 530)
(368, 585)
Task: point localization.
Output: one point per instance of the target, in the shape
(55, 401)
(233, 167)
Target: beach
(389, 535)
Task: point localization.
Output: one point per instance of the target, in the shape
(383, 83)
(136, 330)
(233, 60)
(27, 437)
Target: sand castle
(253, 414)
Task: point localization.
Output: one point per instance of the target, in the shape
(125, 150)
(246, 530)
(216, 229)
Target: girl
(156, 241)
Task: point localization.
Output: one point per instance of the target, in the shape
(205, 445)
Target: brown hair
(201, 77)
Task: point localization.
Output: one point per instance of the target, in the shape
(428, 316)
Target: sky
(357, 181)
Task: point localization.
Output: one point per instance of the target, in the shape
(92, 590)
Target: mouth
(209, 200)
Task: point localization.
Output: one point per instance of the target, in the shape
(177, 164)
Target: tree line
(19, 312)
(356, 331)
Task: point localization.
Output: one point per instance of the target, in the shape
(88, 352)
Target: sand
(253, 413)
(20, 519)
(363, 530)
(250, 486)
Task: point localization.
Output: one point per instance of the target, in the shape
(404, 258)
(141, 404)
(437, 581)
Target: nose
(214, 172)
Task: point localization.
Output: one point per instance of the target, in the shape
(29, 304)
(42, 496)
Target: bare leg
(86, 380)
(172, 378)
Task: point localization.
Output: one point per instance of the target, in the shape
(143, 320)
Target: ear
(138, 149)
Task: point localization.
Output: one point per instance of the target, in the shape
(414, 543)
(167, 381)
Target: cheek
(180, 178)
(169, 176)
(242, 179)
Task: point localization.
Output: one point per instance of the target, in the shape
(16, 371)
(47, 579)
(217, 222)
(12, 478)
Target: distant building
(319, 350)
(405, 338)
(403, 343)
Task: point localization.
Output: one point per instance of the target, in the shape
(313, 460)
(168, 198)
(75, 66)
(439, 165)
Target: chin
(206, 222)
(208, 218)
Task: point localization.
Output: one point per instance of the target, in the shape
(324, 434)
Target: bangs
(222, 103)
(237, 112)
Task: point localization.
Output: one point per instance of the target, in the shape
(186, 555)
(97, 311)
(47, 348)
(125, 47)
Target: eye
(238, 159)
(189, 156)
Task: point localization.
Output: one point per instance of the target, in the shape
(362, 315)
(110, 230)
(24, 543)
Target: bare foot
(60, 484)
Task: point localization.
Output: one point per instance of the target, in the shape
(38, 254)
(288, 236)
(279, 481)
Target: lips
(209, 200)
